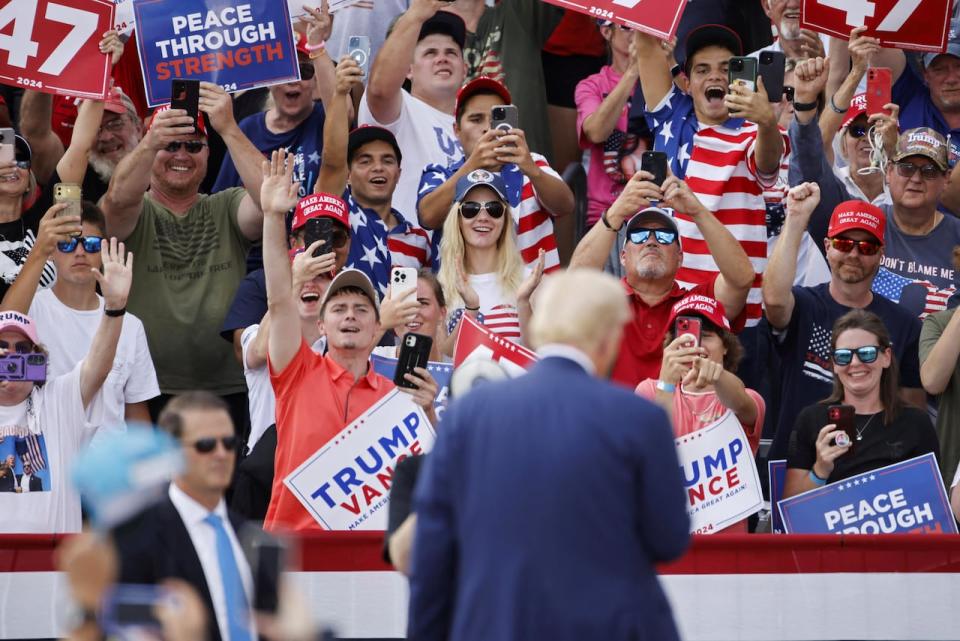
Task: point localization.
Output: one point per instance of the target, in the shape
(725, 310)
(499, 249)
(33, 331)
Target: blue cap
(479, 177)
(953, 45)
(124, 472)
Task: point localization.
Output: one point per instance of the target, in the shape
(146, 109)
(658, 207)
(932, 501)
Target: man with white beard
(788, 37)
(650, 256)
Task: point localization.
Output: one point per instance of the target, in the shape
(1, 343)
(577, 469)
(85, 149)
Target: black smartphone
(267, 556)
(843, 417)
(655, 162)
(319, 229)
(185, 94)
(772, 67)
(414, 352)
(743, 70)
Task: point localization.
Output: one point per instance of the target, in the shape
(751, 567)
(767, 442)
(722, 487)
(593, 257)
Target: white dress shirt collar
(191, 511)
(569, 352)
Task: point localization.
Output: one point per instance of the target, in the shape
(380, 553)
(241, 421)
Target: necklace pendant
(859, 438)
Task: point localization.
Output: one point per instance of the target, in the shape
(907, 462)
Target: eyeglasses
(846, 245)
(471, 208)
(207, 445)
(20, 347)
(927, 172)
(788, 92)
(113, 125)
(192, 146)
(664, 236)
(91, 244)
(866, 354)
(859, 131)
(306, 71)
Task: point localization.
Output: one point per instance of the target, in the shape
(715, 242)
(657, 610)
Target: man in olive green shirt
(190, 248)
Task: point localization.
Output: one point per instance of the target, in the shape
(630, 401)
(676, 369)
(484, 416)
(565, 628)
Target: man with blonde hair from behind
(553, 492)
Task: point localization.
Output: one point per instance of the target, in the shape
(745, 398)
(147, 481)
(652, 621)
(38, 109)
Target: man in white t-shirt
(44, 422)
(68, 315)
(426, 47)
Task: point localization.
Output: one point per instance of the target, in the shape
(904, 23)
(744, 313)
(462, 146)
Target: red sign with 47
(52, 45)
(907, 24)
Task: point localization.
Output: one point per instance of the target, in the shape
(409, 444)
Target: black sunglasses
(927, 172)
(91, 244)
(857, 131)
(866, 354)
(471, 208)
(20, 347)
(206, 445)
(192, 146)
(306, 71)
(640, 235)
(339, 238)
(846, 245)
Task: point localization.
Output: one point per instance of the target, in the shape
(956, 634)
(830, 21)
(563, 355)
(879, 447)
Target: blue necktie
(238, 622)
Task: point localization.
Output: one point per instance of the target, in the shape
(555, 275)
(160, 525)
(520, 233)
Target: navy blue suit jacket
(541, 511)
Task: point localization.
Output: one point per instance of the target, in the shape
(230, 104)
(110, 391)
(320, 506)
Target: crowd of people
(818, 244)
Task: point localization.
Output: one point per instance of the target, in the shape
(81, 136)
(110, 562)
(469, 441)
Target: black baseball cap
(710, 35)
(446, 23)
(369, 133)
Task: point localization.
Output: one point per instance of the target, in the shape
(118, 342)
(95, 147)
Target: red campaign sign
(53, 46)
(920, 25)
(476, 341)
(656, 17)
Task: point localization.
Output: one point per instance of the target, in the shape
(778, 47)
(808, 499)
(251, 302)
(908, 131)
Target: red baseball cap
(858, 107)
(696, 304)
(477, 85)
(119, 103)
(320, 205)
(857, 214)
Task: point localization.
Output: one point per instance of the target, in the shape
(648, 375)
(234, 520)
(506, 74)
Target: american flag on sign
(816, 363)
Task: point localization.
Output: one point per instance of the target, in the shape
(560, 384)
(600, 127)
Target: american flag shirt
(718, 164)
(533, 222)
(374, 249)
(917, 271)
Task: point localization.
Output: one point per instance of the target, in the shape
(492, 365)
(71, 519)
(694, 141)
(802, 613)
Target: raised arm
(393, 61)
(525, 294)
(594, 248)
(782, 267)
(736, 273)
(124, 198)
(216, 103)
(942, 352)
(319, 26)
(36, 114)
(755, 107)
(53, 229)
(554, 194)
(115, 285)
(278, 195)
(332, 178)
(598, 126)
(653, 68)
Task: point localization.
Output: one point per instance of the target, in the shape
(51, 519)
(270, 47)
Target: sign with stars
(719, 475)
(345, 485)
(476, 341)
(903, 497)
(441, 373)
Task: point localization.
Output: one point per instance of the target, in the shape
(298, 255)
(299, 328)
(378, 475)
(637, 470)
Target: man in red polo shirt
(317, 395)
(650, 256)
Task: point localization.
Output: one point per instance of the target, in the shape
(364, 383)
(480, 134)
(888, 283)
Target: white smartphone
(7, 144)
(403, 280)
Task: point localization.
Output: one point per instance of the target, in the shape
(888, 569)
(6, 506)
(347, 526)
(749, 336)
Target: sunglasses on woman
(192, 146)
(846, 245)
(306, 71)
(663, 236)
(91, 244)
(20, 347)
(471, 208)
(857, 131)
(207, 445)
(866, 354)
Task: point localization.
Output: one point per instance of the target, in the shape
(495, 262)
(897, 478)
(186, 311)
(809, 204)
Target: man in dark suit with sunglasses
(802, 318)
(190, 534)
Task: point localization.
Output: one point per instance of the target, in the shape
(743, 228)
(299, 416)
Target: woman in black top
(887, 432)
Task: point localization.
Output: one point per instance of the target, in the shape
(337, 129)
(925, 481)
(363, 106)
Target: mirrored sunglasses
(207, 445)
(866, 354)
(192, 146)
(471, 208)
(91, 244)
(846, 245)
(663, 236)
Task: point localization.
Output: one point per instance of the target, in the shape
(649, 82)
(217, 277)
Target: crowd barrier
(751, 587)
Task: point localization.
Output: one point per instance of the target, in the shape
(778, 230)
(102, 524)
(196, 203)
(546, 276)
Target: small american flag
(816, 363)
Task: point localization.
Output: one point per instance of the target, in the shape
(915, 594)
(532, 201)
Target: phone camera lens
(11, 367)
(737, 65)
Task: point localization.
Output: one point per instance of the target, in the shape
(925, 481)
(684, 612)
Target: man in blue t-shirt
(802, 318)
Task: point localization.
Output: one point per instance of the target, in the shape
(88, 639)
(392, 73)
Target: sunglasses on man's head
(866, 354)
(471, 208)
(846, 245)
(192, 146)
(20, 347)
(663, 236)
(927, 172)
(306, 71)
(91, 244)
(207, 445)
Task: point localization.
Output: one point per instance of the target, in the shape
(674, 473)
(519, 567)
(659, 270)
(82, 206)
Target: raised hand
(348, 75)
(465, 289)
(512, 148)
(810, 77)
(426, 388)
(861, 48)
(169, 125)
(801, 201)
(532, 281)
(319, 23)
(278, 193)
(112, 45)
(636, 196)
(395, 312)
(117, 274)
(751, 105)
(216, 103)
(827, 450)
(678, 196)
(678, 359)
(55, 229)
